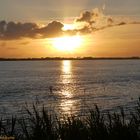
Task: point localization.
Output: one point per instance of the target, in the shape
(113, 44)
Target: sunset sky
(69, 28)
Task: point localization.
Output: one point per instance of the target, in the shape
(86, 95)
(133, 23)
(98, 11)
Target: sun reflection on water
(66, 66)
(67, 103)
(66, 72)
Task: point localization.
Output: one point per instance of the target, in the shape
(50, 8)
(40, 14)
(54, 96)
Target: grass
(40, 125)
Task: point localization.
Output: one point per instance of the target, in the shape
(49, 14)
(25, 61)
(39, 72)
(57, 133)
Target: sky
(69, 28)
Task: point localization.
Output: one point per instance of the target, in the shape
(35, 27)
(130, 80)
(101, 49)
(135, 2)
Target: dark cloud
(12, 30)
(85, 30)
(2, 26)
(51, 30)
(121, 23)
(89, 21)
(85, 17)
(89, 16)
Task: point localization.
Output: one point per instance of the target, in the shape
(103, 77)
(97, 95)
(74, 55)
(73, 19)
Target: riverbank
(69, 58)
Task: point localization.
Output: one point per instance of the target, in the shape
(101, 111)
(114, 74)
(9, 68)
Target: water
(69, 86)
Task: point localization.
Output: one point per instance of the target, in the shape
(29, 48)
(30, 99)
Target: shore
(70, 58)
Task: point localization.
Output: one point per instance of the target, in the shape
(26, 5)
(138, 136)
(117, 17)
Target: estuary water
(69, 86)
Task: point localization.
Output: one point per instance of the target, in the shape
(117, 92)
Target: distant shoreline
(69, 58)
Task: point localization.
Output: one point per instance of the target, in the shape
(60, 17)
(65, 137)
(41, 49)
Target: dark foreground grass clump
(40, 125)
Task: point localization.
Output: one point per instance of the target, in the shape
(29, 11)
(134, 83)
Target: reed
(40, 125)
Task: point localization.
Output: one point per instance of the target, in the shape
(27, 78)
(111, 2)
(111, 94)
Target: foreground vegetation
(40, 125)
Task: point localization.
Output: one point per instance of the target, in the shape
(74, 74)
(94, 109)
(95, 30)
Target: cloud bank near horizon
(88, 22)
(12, 30)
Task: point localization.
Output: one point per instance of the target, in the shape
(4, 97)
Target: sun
(67, 43)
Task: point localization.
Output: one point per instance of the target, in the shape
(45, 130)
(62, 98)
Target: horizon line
(67, 58)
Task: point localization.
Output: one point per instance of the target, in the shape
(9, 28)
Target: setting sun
(67, 43)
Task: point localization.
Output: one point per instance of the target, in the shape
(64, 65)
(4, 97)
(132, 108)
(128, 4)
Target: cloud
(121, 23)
(95, 20)
(89, 16)
(135, 22)
(110, 20)
(88, 22)
(85, 17)
(51, 30)
(12, 30)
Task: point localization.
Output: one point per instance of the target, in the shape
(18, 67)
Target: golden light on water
(66, 72)
(67, 43)
(67, 104)
(66, 67)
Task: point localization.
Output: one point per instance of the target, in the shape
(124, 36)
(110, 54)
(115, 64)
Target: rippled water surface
(69, 86)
